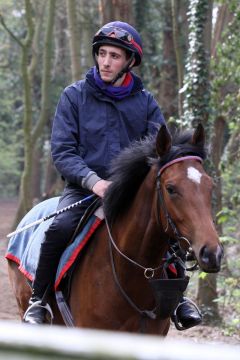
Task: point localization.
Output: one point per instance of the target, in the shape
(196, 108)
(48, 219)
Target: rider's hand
(100, 187)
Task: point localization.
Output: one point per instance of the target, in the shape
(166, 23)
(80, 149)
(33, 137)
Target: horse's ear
(198, 137)
(163, 141)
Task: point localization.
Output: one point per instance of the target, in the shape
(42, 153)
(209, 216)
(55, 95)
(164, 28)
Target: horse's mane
(132, 165)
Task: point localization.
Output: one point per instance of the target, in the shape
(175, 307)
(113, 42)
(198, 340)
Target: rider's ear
(163, 141)
(198, 136)
(132, 62)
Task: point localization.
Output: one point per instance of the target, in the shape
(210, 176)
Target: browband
(190, 157)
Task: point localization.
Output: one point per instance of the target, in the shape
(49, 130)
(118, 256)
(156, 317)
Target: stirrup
(175, 319)
(39, 303)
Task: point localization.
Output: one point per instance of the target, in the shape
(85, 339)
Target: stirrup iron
(174, 317)
(39, 303)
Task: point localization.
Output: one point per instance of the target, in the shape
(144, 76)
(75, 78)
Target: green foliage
(226, 72)
(196, 82)
(11, 104)
(225, 215)
(225, 96)
(228, 300)
(150, 17)
(202, 275)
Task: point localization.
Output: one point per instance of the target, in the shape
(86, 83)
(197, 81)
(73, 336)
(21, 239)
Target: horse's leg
(20, 287)
(22, 292)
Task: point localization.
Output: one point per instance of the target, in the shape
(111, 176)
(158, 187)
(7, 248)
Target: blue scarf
(114, 92)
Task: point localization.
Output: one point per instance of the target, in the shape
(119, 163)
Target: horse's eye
(170, 189)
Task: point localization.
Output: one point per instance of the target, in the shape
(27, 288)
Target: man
(95, 119)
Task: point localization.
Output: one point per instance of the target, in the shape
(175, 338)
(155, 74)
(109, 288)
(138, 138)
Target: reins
(148, 271)
(149, 313)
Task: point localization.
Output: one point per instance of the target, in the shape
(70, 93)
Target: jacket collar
(94, 89)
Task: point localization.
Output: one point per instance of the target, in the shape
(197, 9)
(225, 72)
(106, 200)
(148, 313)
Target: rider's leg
(57, 238)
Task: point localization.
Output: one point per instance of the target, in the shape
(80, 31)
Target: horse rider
(94, 120)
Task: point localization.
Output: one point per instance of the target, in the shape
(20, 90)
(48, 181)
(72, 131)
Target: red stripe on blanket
(20, 268)
(10, 256)
(77, 250)
(26, 273)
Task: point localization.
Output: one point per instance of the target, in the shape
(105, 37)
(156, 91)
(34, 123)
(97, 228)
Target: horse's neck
(138, 232)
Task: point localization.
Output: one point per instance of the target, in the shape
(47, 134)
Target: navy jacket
(90, 128)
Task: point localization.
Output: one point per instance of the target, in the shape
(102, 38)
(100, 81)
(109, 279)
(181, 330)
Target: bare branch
(9, 31)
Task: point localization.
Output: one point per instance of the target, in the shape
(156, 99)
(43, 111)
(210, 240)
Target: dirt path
(8, 308)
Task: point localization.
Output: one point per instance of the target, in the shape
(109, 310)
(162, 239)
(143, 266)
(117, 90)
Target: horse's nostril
(220, 253)
(204, 255)
(211, 258)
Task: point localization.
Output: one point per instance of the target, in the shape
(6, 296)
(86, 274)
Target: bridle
(177, 252)
(161, 203)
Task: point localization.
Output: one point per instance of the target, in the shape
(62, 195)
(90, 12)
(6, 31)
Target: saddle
(93, 208)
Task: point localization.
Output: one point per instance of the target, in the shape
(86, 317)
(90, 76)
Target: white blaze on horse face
(194, 175)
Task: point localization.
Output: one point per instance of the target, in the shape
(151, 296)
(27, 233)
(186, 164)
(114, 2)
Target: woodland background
(191, 65)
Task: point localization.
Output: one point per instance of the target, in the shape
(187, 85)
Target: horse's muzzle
(210, 261)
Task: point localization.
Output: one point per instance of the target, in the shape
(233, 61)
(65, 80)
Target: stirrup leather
(39, 303)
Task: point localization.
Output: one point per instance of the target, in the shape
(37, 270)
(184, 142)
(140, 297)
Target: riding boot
(186, 315)
(39, 311)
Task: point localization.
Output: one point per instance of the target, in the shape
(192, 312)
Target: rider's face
(111, 60)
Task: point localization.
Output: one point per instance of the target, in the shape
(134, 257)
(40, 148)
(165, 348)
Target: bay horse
(160, 195)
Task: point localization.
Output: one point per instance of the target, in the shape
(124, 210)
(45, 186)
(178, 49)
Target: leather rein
(177, 252)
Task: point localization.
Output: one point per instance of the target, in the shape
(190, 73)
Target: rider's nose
(106, 61)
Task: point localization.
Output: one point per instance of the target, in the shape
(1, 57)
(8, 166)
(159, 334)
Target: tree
(32, 133)
(167, 95)
(179, 12)
(196, 105)
(111, 10)
(196, 80)
(74, 36)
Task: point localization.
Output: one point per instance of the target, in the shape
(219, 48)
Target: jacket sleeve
(65, 140)
(155, 116)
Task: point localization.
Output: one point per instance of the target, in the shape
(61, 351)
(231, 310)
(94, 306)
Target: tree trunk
(207, 287)
(206, 294)
(74, 35)
(25, 197)
(167, 96)
(178, 48)
(46, 74)
(196, 80)
(61, 65)
(223, 18)
(31, 136)
(218, 146)
(111, 10)
(36, 172)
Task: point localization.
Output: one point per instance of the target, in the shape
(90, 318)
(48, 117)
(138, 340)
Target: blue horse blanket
(24, 248)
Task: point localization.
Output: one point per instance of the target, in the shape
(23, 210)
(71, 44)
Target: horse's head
(185, 196)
